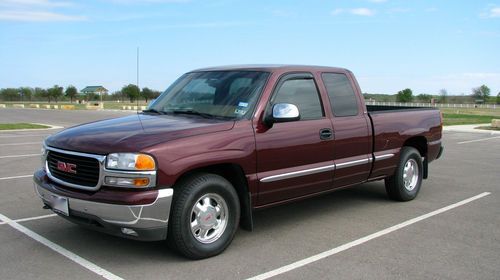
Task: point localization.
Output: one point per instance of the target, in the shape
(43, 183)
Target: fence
(440, 105)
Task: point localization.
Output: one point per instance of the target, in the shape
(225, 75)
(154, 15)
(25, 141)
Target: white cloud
(357, 12)
(494, 12)
(36, 11)
(37, 3)
(34, 16)
(491, 12)
(362, 12)
(37, 16)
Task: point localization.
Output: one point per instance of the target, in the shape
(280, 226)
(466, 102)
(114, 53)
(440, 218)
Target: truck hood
(133, 133)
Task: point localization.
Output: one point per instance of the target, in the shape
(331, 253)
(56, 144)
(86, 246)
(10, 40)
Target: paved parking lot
(355, 233)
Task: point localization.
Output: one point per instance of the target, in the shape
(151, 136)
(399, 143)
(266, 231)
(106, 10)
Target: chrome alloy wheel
(410, 174)
(209, 217)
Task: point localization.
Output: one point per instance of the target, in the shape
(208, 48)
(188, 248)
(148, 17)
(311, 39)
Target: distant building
(90, 91)
(95, 90)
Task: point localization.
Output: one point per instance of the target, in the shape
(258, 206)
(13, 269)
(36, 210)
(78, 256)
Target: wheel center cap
(208, 218)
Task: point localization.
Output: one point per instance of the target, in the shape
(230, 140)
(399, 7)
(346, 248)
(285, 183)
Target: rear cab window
(343, 100)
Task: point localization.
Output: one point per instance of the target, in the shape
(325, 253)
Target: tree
(148, 94)
(71, 92)
(481, 93)
(405, 95)
(424, 97)
(117, 95)
(55, 92)
(10, 94)
(132, 92)
(443, 95)
(40, 93)
(26, 93)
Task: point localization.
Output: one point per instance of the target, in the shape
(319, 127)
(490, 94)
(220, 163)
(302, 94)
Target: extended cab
(222, 142)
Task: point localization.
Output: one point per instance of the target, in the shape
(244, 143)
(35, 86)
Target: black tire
(395, 184)
(200, 190)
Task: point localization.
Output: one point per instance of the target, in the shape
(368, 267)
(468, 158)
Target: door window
(302, 93)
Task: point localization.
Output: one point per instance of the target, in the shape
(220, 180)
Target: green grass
(9, 126)
(458, 119)
(472, 111)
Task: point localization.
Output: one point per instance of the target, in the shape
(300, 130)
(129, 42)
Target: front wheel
(204, 217)
(406, 181)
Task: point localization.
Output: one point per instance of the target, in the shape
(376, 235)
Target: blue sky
(389, 45)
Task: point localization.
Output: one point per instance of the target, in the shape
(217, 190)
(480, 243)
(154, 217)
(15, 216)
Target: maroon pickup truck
(222, 142)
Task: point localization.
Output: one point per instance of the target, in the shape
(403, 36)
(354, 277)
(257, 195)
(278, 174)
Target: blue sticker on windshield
(243, 104)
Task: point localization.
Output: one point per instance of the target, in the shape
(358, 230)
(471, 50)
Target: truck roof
(272, 68)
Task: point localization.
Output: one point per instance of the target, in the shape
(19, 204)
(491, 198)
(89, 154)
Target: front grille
(86, 169)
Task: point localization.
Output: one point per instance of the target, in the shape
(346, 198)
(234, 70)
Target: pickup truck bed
(398, 126)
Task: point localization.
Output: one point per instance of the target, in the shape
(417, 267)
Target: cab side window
(301, 92)
(342, 97)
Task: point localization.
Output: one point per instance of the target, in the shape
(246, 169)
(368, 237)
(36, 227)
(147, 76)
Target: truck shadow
(334, 203)
(116, 252)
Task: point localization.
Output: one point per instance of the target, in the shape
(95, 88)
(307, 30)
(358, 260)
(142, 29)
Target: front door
(295, 158)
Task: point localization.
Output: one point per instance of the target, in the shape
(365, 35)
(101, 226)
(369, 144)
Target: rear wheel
(204, 217)
(405, 184)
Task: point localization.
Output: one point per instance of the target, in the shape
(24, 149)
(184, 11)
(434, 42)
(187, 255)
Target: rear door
(295, 158)
(351, 126)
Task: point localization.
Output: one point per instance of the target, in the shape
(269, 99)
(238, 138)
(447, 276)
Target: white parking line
(19, 144)
(15, 177)
(23, 135)
(68, 254)
(31, 218)
(478, 140)
(15, 156)
(362, 240)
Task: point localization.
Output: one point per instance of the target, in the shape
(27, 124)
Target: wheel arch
(236, 176)
(420, 143)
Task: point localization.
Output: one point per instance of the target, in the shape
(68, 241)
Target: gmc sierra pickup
(222, 142)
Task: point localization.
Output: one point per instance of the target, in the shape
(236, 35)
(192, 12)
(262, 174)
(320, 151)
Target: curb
(470, 128)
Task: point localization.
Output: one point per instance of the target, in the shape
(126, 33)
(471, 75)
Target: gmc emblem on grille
(66, 167)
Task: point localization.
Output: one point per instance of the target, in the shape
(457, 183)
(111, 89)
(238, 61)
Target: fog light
(129, 231)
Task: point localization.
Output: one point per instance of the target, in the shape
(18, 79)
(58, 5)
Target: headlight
(130, 161)
(43, 156)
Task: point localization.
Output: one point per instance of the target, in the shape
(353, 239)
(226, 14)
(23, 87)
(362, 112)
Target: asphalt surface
(461, 243)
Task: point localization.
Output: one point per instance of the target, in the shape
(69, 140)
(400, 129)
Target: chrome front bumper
(142, 222)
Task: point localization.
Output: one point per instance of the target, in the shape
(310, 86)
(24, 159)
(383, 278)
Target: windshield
(224, 94)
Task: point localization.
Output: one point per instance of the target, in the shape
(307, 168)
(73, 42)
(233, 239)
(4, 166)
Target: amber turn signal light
(144, 162)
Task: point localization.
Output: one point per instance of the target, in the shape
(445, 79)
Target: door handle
(325, 134)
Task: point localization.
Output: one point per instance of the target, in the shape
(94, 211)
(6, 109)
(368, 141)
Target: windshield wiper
(193, 112)
(154, 111)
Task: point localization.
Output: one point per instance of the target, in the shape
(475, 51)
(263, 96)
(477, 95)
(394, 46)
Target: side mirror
(282, 112)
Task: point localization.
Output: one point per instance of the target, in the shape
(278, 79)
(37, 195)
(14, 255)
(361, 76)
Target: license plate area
(60, 204)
